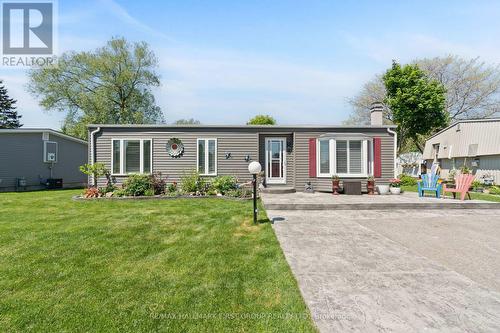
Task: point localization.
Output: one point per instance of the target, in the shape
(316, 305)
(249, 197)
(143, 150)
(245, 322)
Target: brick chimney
(376, 114)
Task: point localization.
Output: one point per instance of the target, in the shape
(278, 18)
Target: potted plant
(335, 184)
(395, 187)
(370, 185)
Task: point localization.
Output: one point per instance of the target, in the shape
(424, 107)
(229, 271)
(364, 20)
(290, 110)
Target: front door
(275, 160)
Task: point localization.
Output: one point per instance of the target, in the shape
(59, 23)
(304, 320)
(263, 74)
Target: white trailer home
(474, 143)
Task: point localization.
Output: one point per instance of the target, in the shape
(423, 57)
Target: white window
(131, 156)
(207, 157)
(345, 157)
(50, 152)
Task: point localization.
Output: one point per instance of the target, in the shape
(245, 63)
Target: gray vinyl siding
(488, 165)
(325, 184)
(21, 156)
(238, 141)
(239, 144)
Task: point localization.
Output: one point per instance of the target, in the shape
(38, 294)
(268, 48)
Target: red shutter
(312, 158)
(377, 157)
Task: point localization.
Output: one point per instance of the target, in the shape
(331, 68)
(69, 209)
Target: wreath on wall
(175, 147)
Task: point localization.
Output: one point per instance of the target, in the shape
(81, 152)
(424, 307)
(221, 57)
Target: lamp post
(254, 168)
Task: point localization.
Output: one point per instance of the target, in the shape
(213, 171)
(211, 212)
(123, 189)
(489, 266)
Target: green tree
(109, 85)
(262, 119)
(95, 170)
(190, 121)
(8, 113)
(472, 89)
(417, 102)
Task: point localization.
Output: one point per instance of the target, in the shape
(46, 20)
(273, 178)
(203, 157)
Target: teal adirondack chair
(429, 182)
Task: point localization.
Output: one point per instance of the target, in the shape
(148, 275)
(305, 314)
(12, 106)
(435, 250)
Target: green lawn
(135, 266)
(474, 195)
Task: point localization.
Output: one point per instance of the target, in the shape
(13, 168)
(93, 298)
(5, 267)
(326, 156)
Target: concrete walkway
(327, 201)
(354, 279)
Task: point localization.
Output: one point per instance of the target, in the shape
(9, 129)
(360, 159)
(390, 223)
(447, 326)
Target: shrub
(452, 174)
(476, 184)
(172, 188)
(119, 193)
(223, 184)
(137, 185)
(157, 183)
(241, 192)
(91, 192)
(465, 170)
(193, 183)
(495, 190)
(407, 180)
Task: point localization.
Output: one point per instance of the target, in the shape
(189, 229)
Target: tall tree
(190, 121)
(416, 101)
(112, 85)
(472, 89)
(8, 113)
(262, 119)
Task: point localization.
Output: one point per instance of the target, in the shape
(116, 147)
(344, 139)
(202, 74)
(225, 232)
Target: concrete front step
(278, 190)
(382, 206)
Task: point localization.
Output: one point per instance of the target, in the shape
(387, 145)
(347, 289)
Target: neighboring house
(409, 164)
(31, 158)
(475, 143)
(290, 155)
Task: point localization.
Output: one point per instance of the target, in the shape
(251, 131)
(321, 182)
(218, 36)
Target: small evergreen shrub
(495, 190)
(407, 180)
(137, 185)
(193, 183)
(172, 188)
(476, 184)
(223, 184)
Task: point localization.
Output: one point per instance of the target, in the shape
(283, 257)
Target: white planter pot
(396, 190)
(383, 189)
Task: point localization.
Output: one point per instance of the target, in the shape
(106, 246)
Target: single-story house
(290, 156)
(474, 143)
(40, 158)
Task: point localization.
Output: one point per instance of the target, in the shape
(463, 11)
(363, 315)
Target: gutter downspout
(395, 149)
(92, 149)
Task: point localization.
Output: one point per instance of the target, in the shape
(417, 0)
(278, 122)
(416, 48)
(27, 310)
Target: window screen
(341, 152)
(324, 156)
(132, 156)
(355, 157)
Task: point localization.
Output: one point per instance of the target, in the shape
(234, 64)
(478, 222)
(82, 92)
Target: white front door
(276, 160)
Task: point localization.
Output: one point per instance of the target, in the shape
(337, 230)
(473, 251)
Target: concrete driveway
(396, 271)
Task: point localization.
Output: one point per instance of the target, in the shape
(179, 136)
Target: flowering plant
(395, 182)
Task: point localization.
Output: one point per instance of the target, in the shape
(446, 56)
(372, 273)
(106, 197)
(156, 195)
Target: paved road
(397, 271)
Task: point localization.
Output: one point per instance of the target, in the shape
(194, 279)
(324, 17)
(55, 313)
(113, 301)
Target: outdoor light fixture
(254, 168)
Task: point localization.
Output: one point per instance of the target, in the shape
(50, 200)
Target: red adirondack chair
(462, 185)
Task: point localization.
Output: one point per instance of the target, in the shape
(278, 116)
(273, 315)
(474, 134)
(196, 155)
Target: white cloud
(122, 14)
(405, 47)
(225, 86)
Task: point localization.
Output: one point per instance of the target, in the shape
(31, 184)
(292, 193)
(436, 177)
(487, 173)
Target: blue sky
(223, 61)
